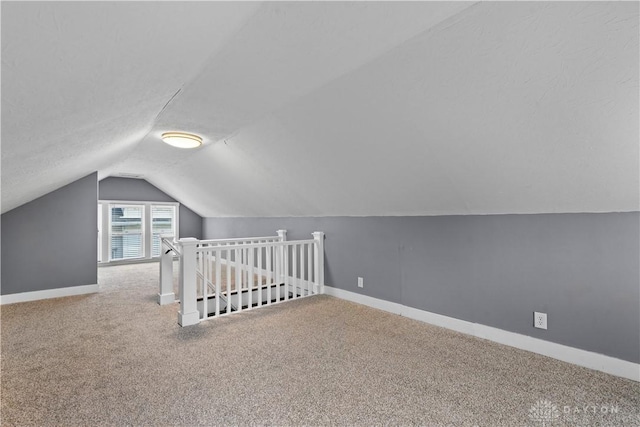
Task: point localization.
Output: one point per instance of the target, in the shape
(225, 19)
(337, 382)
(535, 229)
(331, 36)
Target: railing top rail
(255, 245)
(169, 242)
(243, 239)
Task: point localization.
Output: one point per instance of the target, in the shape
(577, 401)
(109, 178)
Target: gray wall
(51, 242)
(128, 189)
(496, 270)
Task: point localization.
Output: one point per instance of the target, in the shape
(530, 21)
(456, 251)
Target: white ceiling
(329, 108)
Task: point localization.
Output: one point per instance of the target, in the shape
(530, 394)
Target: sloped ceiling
(329, 108)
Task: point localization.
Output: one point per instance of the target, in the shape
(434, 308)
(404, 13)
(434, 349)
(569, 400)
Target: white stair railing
(224, 276)
(171, 248)
(168, 249)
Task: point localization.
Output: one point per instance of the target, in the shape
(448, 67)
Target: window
(162, 222)
(99, 232)
(132, 230)
(127, 231)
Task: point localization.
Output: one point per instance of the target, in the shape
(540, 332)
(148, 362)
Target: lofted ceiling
(328, 108)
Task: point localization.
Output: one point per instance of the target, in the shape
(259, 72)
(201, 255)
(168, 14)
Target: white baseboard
(587, 359)
(48, 293)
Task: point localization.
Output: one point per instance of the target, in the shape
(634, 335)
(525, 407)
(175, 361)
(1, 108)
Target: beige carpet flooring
(117, 358)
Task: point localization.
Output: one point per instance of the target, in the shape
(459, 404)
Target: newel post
(188, 314)
(165, 293)
(318, 264)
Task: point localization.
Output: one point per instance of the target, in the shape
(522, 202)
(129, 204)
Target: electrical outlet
(360, 282)
(539, 320)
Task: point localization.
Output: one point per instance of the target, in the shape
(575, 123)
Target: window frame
(174, 224)
(147, 228)
(143, 223)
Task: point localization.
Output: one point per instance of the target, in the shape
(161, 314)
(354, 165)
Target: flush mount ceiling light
(182, 139)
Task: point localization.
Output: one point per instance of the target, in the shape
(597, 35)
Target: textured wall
(51, 242)
(581, 269)
(127, 189)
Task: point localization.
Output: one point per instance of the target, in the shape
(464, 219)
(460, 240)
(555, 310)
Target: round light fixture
(182, 139)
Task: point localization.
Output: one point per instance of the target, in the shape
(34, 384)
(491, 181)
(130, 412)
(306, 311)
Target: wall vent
(129, 175)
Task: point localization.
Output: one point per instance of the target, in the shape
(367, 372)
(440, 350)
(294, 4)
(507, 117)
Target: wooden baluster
(294, 276)
(260, 276)
(302, 269)
(218, 280)
(227, 281)
(250, 260)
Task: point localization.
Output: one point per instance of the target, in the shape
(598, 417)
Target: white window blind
(127, 231)
(162, 222)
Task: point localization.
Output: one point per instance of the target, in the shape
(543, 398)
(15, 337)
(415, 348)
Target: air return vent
(129, 175)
